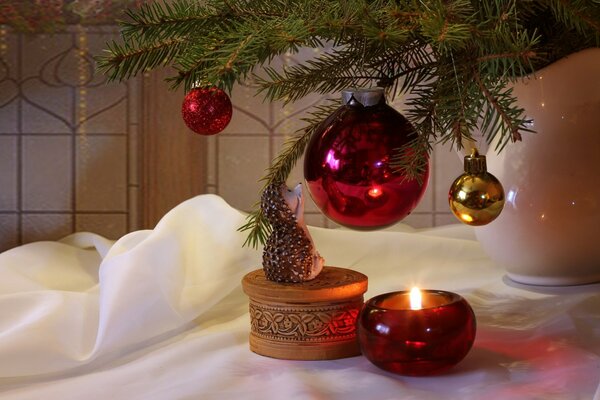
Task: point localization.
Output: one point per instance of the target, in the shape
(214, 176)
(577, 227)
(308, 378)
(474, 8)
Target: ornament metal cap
(365, 96)
(475, 163)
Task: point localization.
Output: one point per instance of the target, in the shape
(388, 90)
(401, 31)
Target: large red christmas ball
(206, 111)
(347, 164)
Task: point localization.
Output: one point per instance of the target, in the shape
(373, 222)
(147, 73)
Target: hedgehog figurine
(289, 254)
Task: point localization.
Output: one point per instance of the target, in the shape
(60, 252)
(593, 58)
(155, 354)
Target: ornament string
(363, 56)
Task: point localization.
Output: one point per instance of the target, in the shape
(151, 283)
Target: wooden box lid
(332, 284)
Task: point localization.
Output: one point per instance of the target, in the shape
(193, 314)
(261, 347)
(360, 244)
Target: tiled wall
(68, 147)
(69, 152)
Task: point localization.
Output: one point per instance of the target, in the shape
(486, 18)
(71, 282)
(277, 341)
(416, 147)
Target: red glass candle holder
(416, 342)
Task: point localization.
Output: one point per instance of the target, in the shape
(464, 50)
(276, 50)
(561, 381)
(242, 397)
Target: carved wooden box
(314, 320)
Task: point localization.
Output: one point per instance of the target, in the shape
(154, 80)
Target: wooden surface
(173, 159)
(314, 320)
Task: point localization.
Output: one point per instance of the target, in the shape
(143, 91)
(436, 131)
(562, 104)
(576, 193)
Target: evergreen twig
(256, 224)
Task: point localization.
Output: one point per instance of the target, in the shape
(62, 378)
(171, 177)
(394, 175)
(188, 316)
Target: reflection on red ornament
(347, 164)
(375, 192)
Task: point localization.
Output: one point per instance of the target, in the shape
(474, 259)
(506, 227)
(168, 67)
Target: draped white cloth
(160, 314)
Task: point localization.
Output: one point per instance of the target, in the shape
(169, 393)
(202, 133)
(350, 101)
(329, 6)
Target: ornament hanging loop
(475, 163)
(367, 97)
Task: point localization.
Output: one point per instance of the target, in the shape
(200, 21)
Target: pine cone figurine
(289, 254)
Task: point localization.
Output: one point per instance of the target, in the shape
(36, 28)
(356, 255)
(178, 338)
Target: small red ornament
(206, 111)
(347, 163)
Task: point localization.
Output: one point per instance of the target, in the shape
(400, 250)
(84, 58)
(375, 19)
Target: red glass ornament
(206, 111)
(418, 342)
(347, 164)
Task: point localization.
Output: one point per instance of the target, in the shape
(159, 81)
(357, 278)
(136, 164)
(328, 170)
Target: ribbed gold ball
(476, 199)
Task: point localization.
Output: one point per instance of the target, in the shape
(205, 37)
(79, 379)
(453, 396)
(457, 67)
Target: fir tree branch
(124, 61)
(256, 224)
(575, 16)
(258, 228)
(524, 55)
(411, 160)
(500, 111)
(294, 147)
(158, 21)
(404, 72)
(234, 56)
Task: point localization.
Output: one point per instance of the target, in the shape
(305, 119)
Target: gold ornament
(476, 197)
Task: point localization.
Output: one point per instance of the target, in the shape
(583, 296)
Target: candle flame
(415, 299)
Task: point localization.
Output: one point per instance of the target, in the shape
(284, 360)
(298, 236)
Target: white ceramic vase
(549, 230)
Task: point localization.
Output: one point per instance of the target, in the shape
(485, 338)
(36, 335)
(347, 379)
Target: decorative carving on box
(321, 324)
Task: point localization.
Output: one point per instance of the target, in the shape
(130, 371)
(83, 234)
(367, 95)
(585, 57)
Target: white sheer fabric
(160, 315)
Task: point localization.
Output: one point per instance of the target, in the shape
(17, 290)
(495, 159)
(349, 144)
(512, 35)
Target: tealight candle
(417, 332)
